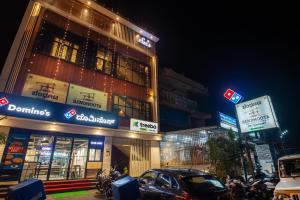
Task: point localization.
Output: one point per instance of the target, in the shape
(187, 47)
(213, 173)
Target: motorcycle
(104, 184)
(100, 178)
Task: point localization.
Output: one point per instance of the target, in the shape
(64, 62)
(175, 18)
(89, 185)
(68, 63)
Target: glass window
(104, 61)
(64, 49)
(148, 178)
(131, 108)
(95, 155)
(131, 70)
(163, 181)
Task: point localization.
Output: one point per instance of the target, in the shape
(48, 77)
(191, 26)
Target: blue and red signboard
(233, 96)
(26, 107)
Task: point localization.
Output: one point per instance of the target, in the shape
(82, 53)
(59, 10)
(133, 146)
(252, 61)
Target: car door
(146, 185)
(165, 187)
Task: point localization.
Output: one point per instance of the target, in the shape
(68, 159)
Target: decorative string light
(61, 47)
(83, 62)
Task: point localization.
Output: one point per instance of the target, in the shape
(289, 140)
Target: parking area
(78, 195)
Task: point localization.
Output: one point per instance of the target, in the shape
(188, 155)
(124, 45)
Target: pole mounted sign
(257, 114)
(228, 122)
(233, 96)
(143, 126)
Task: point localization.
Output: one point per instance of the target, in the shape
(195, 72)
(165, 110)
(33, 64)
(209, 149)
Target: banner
(257, 114)
(82, 96)
(264, 157)
(143, 126)
(45, 88)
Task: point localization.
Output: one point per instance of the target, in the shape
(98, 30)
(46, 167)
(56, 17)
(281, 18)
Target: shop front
(51, 156)
(54, 141)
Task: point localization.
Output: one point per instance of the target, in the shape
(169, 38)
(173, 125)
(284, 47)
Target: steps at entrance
(4, 185)
(69, 185)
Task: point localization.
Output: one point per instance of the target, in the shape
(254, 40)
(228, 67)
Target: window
(133, 71)
(131, 108)
(148, 178)
(64, 49)
(104, 61)
(166, 181)
(95, 155)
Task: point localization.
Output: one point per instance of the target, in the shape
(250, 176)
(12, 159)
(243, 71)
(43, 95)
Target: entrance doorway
(120, 155)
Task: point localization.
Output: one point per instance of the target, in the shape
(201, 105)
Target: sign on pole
(228, 122)
(233, 96)
(256, 114)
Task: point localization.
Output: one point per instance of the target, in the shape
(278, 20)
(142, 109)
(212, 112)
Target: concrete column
(155, 155)
(107, 154)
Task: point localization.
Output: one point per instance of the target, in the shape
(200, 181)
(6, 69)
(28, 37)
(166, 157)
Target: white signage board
(45, 88)
(256, 114)
(143, 126)
(86, 97)
(264, 157)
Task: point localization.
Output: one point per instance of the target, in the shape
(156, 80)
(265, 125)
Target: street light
(282, 134)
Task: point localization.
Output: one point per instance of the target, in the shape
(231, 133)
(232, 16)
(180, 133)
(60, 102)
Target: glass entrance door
(78, 158)
(37, 158)
(61, 158)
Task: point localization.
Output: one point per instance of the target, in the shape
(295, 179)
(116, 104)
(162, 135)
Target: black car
(184, 184)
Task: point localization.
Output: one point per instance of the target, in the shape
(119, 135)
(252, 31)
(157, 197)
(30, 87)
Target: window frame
(133, 66)
(59, 45)
(144, 109)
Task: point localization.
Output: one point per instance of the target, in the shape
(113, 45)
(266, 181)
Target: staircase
(4, 185)
(69, 185)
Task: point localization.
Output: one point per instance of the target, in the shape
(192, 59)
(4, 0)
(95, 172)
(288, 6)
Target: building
(188, 148)
(182, 102)
(74, 77)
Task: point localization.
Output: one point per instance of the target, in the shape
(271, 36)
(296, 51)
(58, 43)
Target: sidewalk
(79, 195)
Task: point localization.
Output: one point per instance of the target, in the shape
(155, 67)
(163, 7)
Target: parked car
(183, 184)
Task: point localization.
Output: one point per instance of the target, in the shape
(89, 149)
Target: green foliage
(224, 156)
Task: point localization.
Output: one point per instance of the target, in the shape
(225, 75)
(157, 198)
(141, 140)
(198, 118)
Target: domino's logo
(70, 114)
(233, 96)
(3, 101)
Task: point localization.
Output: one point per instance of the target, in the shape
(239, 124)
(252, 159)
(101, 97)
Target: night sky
(251, 47)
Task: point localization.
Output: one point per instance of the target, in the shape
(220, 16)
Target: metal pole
(240, 144)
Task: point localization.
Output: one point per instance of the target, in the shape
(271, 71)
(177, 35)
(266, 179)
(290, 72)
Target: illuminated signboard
(233, 96)
(145, 42)
(143, 126)
(86, 97)
(228, 122)
(45, 88)
(256, 114)
(24, 107)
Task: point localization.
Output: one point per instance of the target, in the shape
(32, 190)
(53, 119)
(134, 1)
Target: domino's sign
(26, 107)
(233, 96)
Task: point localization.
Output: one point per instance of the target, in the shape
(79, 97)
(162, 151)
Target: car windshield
(203, 183)
(289, 168)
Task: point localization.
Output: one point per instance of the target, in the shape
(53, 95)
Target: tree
(224, 156)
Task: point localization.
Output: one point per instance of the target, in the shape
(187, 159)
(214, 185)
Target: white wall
(155, 154)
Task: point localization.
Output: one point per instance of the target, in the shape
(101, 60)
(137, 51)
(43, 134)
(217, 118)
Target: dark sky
(249, 46)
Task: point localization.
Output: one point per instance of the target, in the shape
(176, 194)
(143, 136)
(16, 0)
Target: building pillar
(107, 155)
(155, 154)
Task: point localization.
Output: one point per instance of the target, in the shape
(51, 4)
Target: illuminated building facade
(75, 76)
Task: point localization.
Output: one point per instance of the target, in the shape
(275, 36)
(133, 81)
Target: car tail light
(186, 196)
